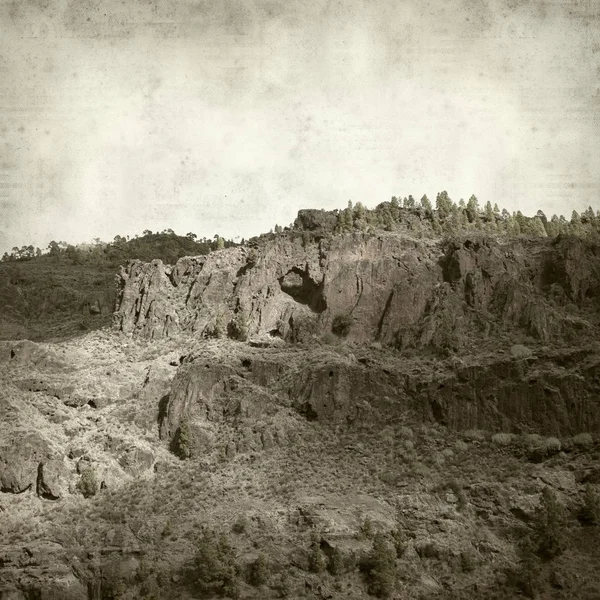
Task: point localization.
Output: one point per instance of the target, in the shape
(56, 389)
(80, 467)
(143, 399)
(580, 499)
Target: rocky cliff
(392, 288)
(468, 383)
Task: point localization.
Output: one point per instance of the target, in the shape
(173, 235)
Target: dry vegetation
(409, 509)
(231, 465)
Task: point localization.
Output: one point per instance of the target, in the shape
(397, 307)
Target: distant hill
(70, 289)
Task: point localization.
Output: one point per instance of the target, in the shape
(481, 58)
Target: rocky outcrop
(28, 463)
(52, 479)
(38, 570)
(213, 394)
(19, 462)
(397, 290)
(136, 461)
(557, 394)
(250, 393)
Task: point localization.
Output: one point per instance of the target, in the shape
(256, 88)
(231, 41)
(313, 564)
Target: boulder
(52, 479)
(137, 461)
(19, 462)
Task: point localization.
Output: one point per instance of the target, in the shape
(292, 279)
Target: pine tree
(382, 567)
(549, 525)
(537, 227)
(184, 439)
(588, 215)
(489, 212)
(259, 571)
(387, 219)
(472, 209)
(553, 227)
(317, 561)
(590, 511)
(348, 218)
(395, 208)
(512, 226)
(443, 205)
(216, 566)
(426, 205)
(359, 211)
(522, 221)
(335, 564)
(542, 216)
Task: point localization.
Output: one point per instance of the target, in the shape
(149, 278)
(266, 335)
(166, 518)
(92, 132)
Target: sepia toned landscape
(398, 402)
(299, 300)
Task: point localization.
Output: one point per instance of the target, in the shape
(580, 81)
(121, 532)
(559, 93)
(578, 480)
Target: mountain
(325, 412)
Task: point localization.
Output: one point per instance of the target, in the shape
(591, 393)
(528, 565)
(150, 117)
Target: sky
(229, 116)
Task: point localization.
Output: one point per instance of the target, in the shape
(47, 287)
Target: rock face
(554, 395)
(258, 397)
(445, 296)
(38, 570)
(396, 290)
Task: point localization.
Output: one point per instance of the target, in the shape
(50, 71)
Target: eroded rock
(52, 479)
(399, 291)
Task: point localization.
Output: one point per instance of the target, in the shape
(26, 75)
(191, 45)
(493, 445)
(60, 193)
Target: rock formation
(400, 291)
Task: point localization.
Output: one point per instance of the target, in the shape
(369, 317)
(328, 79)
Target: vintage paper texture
(230, 116)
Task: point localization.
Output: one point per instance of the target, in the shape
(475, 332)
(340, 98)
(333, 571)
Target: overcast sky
(221, 116)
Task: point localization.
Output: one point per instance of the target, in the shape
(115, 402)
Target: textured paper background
(211, 116)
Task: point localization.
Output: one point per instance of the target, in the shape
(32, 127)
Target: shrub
(215, 566)
(380, 567)
(182, 442)
(240, 525)
(167, 529)
(218, 329)
(590, 511)
(399, 540)
(259, 571)
(531, 440)
(341, 325)
(237, 329)
(467, 561)
(552, 445)
(367, 530)
(252, 258)
(406, 433)
(282, 585)
(88, 483)
(329, 339)
(502, 439)
(528, 577)
(457, 489)
(474, 435)
(461, 446)
(335, 564)
(302, 329)
(549, 525)
(583, 441)
(545, 448)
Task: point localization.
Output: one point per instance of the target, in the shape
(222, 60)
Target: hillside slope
(358, 415)
(72, 289)
(103, 497)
